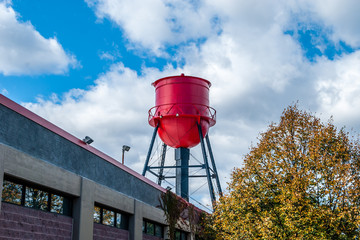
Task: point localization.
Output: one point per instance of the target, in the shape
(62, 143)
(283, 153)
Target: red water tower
(182, 118)
(181, 103)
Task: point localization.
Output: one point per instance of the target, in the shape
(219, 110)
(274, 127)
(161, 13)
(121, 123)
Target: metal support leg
(162, 163)
(150, 150)
(211, 188)
(182, 156)
(213, 165)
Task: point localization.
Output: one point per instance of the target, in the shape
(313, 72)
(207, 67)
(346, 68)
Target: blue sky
(75, 26)
(88, 66)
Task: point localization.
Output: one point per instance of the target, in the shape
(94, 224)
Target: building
(55, 186)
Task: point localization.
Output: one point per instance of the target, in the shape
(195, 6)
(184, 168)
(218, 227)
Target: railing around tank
(187, 109)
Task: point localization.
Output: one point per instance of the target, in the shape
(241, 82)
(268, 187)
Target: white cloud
(154, 24)
(256, 71)
(339, 20)
(24, 51)
(4, 91)
(107, 56)
(338, 87)
(342, 16)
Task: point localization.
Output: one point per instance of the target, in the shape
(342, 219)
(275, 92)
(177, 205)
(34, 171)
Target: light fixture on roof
(88, 140)
(124, 148)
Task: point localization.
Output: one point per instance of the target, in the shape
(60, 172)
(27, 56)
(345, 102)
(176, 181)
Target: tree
(301, 181)
(173, 206)
(205, 229)
(178, 212)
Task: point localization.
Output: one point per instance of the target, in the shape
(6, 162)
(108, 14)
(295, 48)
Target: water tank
(180, 103)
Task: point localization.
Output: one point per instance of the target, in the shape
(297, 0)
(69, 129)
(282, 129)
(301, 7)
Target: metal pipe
(191, 166)
(182, 156)
(191, 176)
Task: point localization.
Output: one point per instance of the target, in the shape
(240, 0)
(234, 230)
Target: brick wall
(149, 237)
(102, 232)
(17, 222)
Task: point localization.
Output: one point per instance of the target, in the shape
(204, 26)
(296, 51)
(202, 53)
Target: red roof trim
(48, 125)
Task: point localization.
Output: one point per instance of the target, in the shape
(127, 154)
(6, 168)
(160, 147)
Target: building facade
(55, 186)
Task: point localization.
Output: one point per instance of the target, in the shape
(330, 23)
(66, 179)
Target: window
(12, 192)
(35, 198)
(159, 230)
(19, 193)
(122, 221)
(57, 203)
(97, 214)
(150, 228)
(153, 229)
(180, 235)
(106, 216)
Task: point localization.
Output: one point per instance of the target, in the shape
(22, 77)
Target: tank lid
(182, 77)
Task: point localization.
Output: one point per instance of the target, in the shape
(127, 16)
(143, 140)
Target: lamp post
(124, 148)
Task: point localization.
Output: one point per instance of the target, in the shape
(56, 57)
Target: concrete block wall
(18, 222)
(148, 237)
(102, 232)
